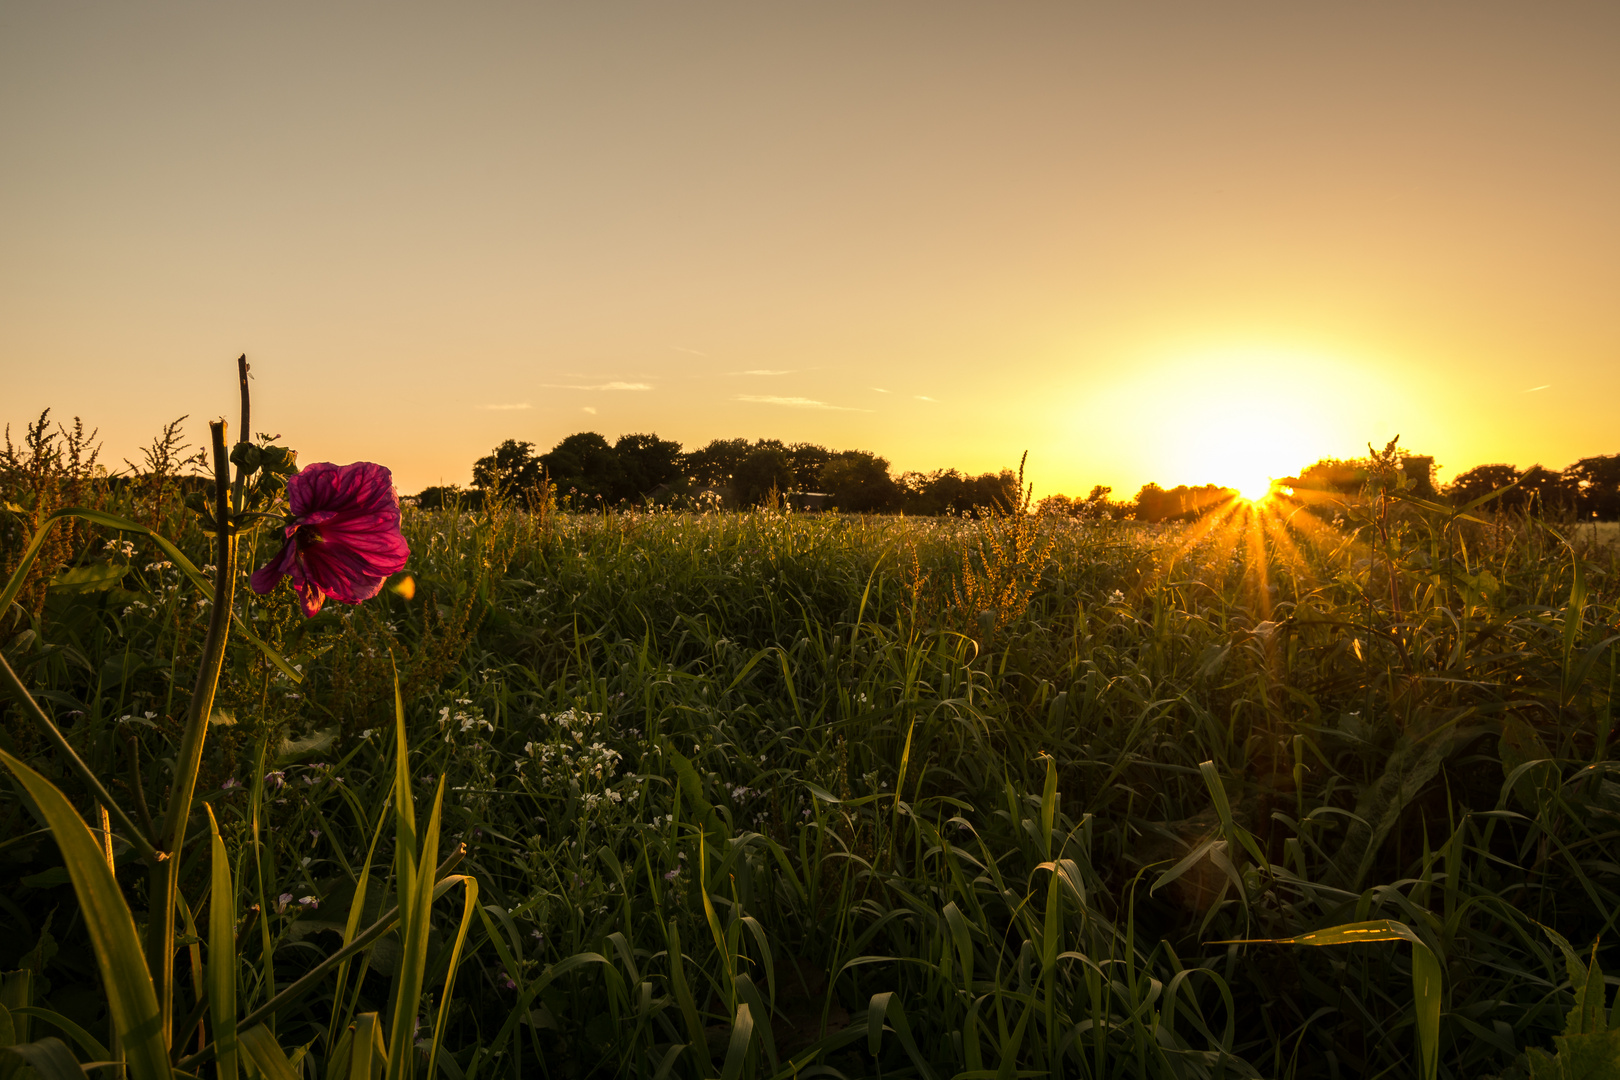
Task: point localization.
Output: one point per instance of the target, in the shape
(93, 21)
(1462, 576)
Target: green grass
(746, 795)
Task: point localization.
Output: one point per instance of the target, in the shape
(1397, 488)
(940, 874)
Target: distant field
(1030, 779)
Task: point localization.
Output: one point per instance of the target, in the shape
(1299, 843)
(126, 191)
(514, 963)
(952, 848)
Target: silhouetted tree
(767, 468)
(511, 470)
(1055, 506)
(584, 467)
(645, 462)
(1180, 503)
(441, 496)
(859, 482)
(1595, 484)
(715, 464)
(1543, 491)
(1480, 481)
(808, 460)
(946, 491)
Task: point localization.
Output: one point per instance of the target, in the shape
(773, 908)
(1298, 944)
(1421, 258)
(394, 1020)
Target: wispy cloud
(1533, 389)
(684, 349)
(764, 371)
(591, 409)
(601, 386)
(879, 390)
(794, 402)
(924, 397)
(507, 408)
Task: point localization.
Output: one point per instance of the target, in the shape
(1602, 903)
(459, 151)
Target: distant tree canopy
(946, 491)
(765, 470)
(859, 482)
(1180, 503)
(1595, 484)
(648, 462)
(1347, 476)
(585, 468)
(511, 468)
(1096, 506)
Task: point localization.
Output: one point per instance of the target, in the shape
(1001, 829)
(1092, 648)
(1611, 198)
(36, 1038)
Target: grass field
(764, 794)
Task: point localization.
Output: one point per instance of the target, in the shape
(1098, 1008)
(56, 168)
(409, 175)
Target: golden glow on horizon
(1254, 490)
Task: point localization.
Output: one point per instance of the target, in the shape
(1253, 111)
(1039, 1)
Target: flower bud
(246, 456)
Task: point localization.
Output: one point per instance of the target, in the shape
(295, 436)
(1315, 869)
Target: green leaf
(1592, 1056)
(222, 953)
(127, 983)
(94, 577)
(88, 1044)
(742, 1033)
(50, 1058)
(683, 999)
(888, 1005)
(261, 1048)
(469, 887)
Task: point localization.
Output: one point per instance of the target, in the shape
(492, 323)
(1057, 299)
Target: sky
(1171, 242)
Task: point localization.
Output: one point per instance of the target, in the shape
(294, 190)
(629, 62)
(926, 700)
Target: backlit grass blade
(130, 995)
(415, 907)
(470, 905)
(351, 925)
(1426, 975)
(370, 1056)
(261, 1048)
(222, 953)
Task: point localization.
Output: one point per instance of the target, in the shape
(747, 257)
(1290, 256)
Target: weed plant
(769, 794)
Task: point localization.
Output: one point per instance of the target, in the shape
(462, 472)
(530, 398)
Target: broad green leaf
(49, 1057)
(89, 1045)
(1592, 1056)
(94, 577)
(127, 983)
(887, 1006)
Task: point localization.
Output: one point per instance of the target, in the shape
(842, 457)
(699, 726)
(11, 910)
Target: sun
(1254, 489)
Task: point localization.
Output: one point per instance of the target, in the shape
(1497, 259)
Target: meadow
(772, 794)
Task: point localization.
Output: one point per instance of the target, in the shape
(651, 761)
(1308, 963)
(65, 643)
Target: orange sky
(1177, 242)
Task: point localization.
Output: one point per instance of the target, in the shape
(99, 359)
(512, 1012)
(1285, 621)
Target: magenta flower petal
(344, 541)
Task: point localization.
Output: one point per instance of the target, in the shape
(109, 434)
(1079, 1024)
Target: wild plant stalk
(140, 989)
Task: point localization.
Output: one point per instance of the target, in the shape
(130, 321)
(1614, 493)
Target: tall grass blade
(222, 954)
(260, 1047)
(131, 998)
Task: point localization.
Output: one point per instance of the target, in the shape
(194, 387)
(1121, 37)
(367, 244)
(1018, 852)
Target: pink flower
(344, 539)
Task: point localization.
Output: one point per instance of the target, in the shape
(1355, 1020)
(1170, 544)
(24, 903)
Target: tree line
(585, 470)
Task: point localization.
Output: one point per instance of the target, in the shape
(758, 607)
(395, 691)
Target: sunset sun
(1254, 488)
